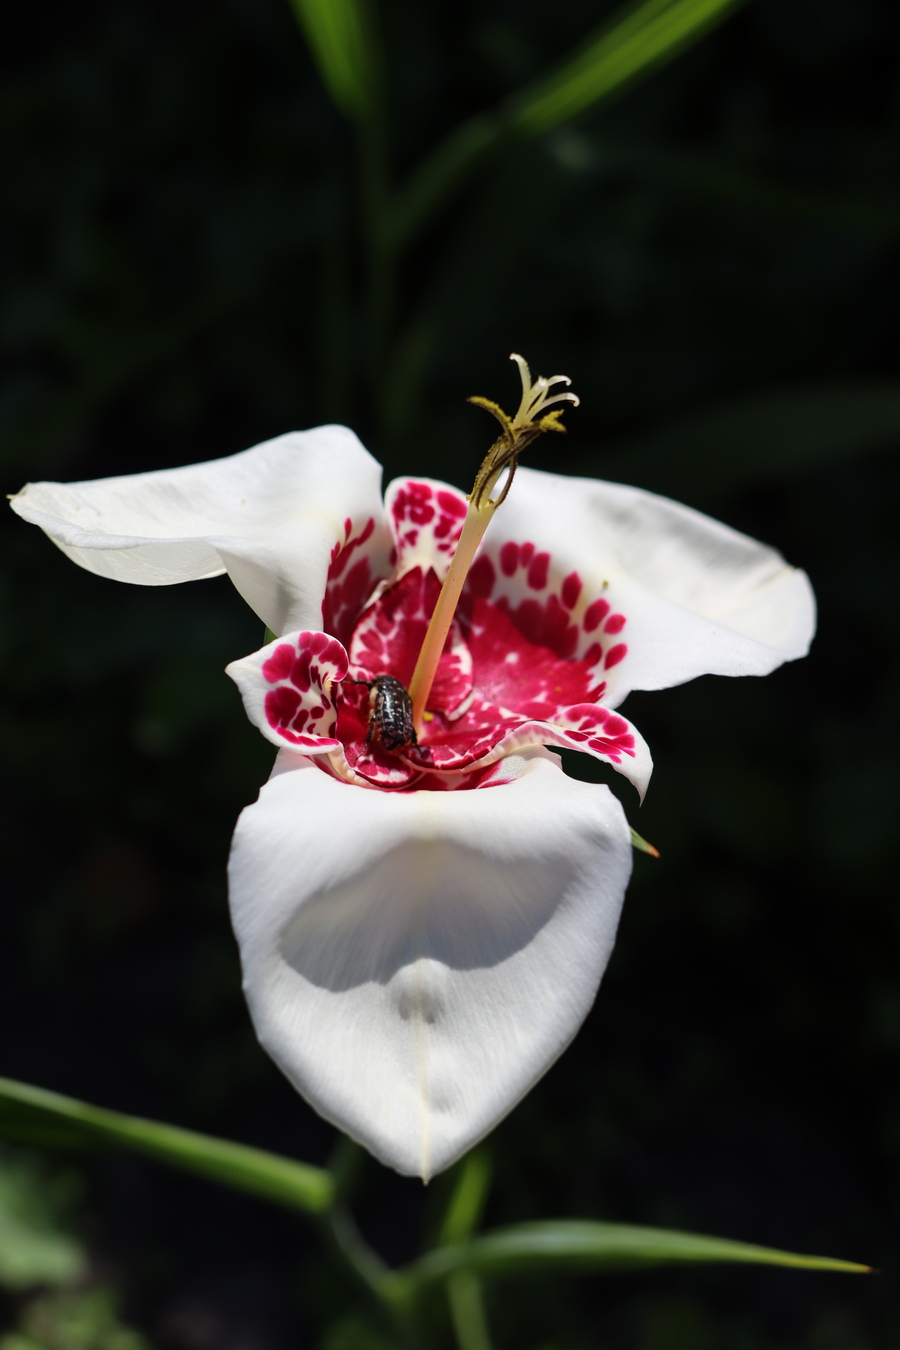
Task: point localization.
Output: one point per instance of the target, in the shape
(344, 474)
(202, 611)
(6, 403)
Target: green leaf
(34, 1247)
(748, 442)
(342, 39)
(576, 1245)
(31, 1114)
(636, 41)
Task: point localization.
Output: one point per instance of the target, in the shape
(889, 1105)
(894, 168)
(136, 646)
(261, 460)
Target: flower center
(518, 432)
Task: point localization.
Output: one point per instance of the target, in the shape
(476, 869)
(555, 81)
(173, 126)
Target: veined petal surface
(415, 961)
(667, 592)
(275, 517)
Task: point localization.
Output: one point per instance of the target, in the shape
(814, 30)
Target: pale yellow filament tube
(474, 526)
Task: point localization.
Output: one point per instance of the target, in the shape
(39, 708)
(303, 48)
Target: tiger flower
(424, 902)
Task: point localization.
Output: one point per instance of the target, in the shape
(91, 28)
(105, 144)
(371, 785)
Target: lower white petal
(414, 962)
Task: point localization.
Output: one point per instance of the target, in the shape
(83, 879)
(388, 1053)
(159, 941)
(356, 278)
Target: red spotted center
(526, 662)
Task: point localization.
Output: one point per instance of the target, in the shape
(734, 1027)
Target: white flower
(423, 927)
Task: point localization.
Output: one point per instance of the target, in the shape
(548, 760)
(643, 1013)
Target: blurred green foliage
(191, 266)
(34, 1247)
(72, 1321)
(44, 1269)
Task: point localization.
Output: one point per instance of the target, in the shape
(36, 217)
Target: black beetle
(390, 713)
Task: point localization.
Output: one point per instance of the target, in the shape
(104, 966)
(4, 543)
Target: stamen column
(518, 432)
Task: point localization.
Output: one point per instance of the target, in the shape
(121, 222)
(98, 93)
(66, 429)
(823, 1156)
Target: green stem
(472, 1181)
(379, 256)
(467, 1312)
(443, 173)
(356, 1255)
(346, 1162)
(336, 323)
(391, 1292)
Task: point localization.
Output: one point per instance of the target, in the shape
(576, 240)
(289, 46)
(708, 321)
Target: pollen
(530, 420)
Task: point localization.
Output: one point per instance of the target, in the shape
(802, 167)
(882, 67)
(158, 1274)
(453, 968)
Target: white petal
(699, 597)
(415, 961)
(270, 516)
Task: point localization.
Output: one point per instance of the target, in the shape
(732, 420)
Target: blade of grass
(639, 38)
(576, 1245)
(635, 43)
(33, 1115)
(342, 41)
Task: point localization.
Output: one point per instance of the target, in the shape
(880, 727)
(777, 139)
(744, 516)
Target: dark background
(713, 259)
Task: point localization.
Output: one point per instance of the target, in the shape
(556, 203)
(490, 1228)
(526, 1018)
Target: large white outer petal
(700, 598)
(269, 516)
(415, 961)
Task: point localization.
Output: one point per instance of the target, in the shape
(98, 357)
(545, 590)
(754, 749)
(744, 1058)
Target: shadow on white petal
(444, 901)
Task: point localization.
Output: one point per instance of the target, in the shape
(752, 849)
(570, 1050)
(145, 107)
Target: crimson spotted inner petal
(530, 659)
(524, 664)
(350, 581)
(389, 634)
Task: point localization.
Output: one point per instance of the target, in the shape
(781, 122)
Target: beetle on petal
(424, 902)
(390, 713)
